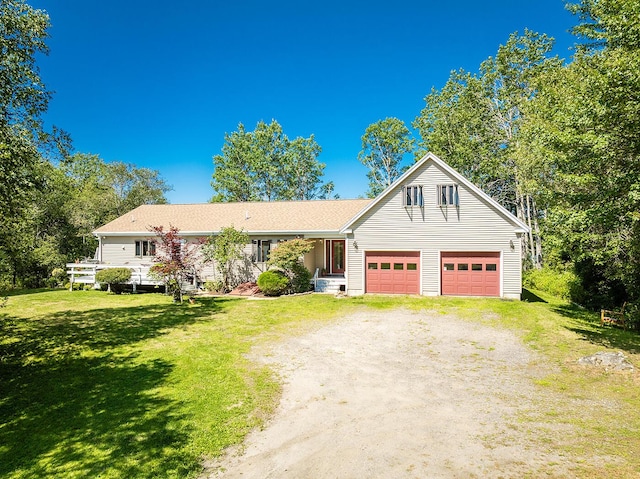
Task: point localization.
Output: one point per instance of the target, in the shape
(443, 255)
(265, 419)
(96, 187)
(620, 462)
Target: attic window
(448, 195)
(412, 196)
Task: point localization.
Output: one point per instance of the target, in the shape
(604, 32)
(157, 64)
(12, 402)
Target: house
(431, 232)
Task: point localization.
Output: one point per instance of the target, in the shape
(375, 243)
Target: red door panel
(470, 274)
(392, 272)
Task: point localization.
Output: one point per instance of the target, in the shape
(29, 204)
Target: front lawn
(121, 386)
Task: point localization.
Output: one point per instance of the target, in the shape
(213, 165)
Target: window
(448, 266)
(476, 267)
(398, 265)
(490, 267)
(372, 266)
(260, 250)
(412, 266)
(448, 195)
(412, 196)
(145, 248)
(463, 267)
(385, 265)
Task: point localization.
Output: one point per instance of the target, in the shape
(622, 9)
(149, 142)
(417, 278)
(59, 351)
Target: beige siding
(474, 226)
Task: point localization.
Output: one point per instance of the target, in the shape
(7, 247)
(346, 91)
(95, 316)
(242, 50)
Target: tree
(288, 257)
(225, 249)
(475, 122)
(264, 165)
(587, 121)
(100, 192)
(176, 260)
(384, 145)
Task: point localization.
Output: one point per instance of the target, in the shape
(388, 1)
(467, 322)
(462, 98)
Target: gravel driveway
(398, 394)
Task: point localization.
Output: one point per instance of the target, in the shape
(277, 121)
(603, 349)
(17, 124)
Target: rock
(609, 361)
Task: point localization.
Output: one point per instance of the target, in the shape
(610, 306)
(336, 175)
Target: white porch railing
(86, 273)
(328, 284)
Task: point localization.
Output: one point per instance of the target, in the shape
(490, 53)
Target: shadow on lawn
(72, 406)
(587, 324)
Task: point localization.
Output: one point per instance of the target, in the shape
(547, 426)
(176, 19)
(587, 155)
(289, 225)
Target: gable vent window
(448, 195)
(412, 196)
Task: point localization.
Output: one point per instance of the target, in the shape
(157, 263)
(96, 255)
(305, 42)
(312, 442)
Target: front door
(336, 257)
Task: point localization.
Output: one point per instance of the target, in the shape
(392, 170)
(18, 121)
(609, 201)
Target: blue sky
(159, 83)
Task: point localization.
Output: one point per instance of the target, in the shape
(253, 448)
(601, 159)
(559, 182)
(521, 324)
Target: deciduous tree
(176, 260)
(225, 249)
(384, 145)
(264, 165)
(475, 122)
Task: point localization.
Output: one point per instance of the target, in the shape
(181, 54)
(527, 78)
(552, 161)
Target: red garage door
(471, 274)
(393, 272)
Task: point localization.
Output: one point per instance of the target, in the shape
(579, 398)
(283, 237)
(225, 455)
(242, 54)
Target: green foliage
(214, 286)
(475, 122)
(288, 257)
(384, 145)
(113, 277)
(288, 254)
(225, 249)
(561, 284)
(273, 283)
(300, 279)
(587, 121)
(100, 192)
(264, 165)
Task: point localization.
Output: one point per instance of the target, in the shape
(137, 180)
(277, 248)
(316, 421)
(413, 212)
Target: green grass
(121, 386)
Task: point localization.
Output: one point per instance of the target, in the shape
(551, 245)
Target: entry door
(337, 256)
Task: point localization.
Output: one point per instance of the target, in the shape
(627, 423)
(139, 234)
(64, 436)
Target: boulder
(609, 361)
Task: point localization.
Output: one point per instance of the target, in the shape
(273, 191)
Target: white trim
(502, 274)
(307, 234)
(453, 173)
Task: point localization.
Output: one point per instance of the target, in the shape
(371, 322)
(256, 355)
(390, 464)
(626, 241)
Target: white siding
(121, 251)
(474, 226)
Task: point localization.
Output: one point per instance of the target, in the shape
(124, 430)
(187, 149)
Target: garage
(392, 272)
(470, 274)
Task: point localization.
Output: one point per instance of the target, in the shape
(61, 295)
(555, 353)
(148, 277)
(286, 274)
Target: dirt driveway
(397, 394)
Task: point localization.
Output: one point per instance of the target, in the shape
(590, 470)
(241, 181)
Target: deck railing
(86, 273)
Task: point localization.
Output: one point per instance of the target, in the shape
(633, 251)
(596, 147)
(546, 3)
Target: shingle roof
(252, 217)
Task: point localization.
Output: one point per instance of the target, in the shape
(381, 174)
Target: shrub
(273, 283)
(562, 284)
(113, 277)
(301, 280)
(214, 286)
(288, 257)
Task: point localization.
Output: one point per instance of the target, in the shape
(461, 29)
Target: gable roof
(295, 217)
(519, 225)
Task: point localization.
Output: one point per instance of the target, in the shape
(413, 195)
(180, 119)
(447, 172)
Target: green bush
(301, 280)
(214, 286)
(113, 277)
(562, 284)
(273, 283)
